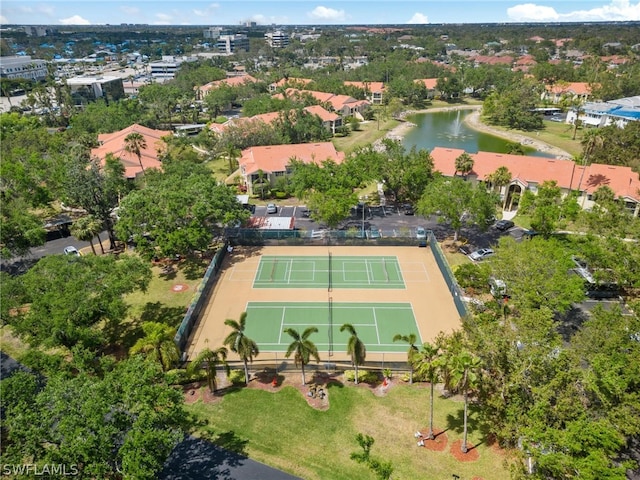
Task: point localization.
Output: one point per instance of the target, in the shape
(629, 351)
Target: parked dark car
(408, 209)
(504, 225)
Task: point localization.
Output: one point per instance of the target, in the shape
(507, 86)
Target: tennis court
(376, 324)
(328, 271)
(381, 290)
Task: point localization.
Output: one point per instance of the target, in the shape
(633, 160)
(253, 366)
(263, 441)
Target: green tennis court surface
(328, 271)
(375, 323)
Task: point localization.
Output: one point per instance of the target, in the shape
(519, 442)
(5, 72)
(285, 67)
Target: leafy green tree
(465, 376)
(537, 274)
(356, 348)
(124, 423)
(219, 99)
(411, 339)
(178, 211)
(209, 360)
(76, 300)
(428, 366)
(135, 143)
(97, 190)
(239, 343)
(21, 230)
(302, 348)
(458, 203)
(158, 344)
(405, 174)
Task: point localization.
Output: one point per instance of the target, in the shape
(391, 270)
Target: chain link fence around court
(256, 237)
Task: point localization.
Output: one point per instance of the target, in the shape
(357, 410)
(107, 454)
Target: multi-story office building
(277, 39)
(17, 67)
(89, 89)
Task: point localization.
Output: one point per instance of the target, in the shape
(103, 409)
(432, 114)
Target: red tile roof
(577, 88)
(114, 143)
(373, 87)
(230, 81)
(526, 169)
(275, 158)
(430, 83)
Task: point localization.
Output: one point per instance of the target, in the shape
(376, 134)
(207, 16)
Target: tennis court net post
(330, 279)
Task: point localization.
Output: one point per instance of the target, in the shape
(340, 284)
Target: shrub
(363, 376)
(236, 377)
(179, 377)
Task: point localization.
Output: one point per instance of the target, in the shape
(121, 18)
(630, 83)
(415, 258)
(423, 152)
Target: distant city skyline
(311, 12)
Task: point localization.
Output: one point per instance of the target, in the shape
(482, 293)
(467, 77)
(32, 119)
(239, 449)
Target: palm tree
(411, 339)
(464, 164)
(591, 141)
(464, 377)
(302, 348)
(355, 347)
(428, 365)
(209, 360)
(85, 229)
(134, 143)
(232, 154)
(158, 344)
(239, 343)
(500, 178)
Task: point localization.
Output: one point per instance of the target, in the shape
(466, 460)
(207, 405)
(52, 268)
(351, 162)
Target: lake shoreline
(474, 121)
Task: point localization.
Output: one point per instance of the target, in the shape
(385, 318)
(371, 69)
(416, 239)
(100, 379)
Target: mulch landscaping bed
(471, 456)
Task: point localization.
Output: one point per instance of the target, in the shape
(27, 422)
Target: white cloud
(327, 14)
(207, 11)
(74, 20)
(164, 19)
(418, 18)
(617, 10)
(3, 19)
(530, 12)
(128, 10)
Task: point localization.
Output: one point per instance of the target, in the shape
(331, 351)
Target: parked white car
(70, 250)
(421, 233)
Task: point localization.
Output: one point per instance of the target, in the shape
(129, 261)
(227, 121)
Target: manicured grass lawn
(163, 302)
(367, 134)
(282, 430)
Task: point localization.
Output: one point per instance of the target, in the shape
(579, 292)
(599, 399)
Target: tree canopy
(178, 211)
(69, 300)
(123, 422)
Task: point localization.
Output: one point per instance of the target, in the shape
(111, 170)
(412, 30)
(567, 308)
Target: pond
(447, 129)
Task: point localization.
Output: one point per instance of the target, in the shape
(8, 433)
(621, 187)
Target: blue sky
(311, 12)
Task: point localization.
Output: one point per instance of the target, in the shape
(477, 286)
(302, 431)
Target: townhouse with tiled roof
(341, 104)
(289, 82)
(574, 91)
(234, 81)
(330, 120)
(272, 161)
(373, 90)
(115, 144)
(527, 173)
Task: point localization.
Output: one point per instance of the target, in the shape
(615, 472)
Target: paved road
(197, 459)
